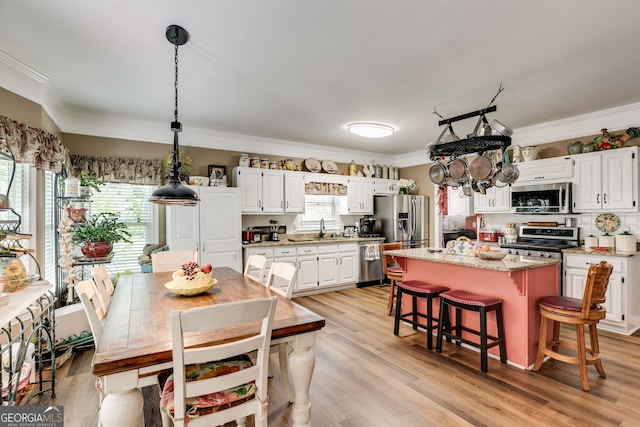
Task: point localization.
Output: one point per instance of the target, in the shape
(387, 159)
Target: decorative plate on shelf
(329, 167)
(312, 165)
(607, 222)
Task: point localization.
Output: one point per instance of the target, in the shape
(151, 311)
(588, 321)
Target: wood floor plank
(366, 376)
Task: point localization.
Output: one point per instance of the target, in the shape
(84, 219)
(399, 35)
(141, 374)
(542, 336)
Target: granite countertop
(509, 263)
(581, 251)
(297, 241)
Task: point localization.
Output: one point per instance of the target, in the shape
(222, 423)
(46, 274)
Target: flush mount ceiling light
(370, 130)
(175, 193)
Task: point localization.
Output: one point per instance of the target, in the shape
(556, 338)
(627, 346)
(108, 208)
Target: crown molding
(22, 68)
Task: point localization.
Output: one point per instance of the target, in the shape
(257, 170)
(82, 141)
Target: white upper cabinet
(385, 186)
(606, 180)
(556, 169)
(495, 200)
(360, 195)
(262, 189)
(293, 192)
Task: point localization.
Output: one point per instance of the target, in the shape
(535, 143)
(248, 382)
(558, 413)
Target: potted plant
(98, 234)
(88, 183)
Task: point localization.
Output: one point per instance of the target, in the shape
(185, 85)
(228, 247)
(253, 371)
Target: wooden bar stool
(577, 312)
(463, 300)
(417, 289)
(392, 270)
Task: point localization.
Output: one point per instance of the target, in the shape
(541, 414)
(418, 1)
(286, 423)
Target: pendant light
(175, 193)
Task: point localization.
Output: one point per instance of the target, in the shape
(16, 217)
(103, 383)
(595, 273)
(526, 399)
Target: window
(317, 208)
(50, 232)
(18, 195)
(131, 204)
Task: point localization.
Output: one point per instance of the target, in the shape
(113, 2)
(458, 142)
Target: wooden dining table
(136, 339)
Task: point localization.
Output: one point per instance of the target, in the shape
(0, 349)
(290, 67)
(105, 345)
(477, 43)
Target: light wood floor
(366, 376)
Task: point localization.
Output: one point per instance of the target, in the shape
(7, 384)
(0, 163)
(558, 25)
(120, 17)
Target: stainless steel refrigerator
(403, 218)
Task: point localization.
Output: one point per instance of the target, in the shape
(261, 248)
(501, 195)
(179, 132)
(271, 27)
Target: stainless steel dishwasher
(370, 263)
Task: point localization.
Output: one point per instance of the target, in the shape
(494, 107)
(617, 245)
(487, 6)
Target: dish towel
(372, 252)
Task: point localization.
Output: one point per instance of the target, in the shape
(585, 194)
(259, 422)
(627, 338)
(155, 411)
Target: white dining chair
(254, 269)
(281, 280)
(93, 306)
(216, 377)
(104, 284)
(171, 260)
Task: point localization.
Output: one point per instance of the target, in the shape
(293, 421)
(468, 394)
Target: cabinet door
(249, 180)
(348, 268)
(459, 205)
(272, 191)
(495, 200)
(587, 182)
(354, 199)
(183, 228)
(307, 273)
(220, 227)
(501, 199)
(294, 192)
(614, 301)
(328, 269)
(481, 202)
(574, 288)
(366, 194)
(617, 182)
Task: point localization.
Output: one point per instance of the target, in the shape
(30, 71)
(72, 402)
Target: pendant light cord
(175, 113)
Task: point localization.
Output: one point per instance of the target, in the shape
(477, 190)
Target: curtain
(119, 169)
(33, 146)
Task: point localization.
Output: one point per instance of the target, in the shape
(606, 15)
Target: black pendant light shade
(175, 193)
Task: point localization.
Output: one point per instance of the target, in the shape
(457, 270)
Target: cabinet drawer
(306, 250)
(586, 261)
(283, 252)
(266, 252)
(545, 170)
(327, 249)
(349, 247)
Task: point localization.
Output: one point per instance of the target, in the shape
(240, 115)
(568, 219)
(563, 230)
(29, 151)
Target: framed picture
(217, 172)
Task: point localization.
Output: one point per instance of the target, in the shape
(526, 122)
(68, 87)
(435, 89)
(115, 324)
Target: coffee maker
(273, 230)
(368, 227)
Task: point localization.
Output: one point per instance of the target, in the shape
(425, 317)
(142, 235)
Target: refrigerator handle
(414, 212)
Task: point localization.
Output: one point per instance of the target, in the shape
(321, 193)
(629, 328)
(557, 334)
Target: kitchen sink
(301, 239)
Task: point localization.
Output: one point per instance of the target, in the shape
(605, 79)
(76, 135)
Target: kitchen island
(519, 281)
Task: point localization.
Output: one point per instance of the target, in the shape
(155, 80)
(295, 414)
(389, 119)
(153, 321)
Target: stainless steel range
(543, 242)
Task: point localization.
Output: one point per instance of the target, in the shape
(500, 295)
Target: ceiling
(290, 73)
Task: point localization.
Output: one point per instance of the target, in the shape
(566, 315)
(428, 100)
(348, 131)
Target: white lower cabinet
(623, 294)
(338, 264)
(319, 266)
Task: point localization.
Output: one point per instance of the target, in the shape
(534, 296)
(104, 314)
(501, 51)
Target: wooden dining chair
(254, 269)
(171, 260)
(391, 269)
(104, 284)
(578, 312)
(218, 383)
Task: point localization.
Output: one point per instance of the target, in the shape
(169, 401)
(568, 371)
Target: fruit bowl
(179, 288)
(491, 255)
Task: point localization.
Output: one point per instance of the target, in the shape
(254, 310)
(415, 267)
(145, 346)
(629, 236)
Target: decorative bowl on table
(491, 255)
(191, 287)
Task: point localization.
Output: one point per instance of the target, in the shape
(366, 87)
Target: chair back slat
(104, 284)
(92, 304)
(281, 279)
(254, 269)
(596, 287)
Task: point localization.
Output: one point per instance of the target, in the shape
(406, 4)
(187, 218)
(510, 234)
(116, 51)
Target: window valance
(119, 169)
(325, 189)
(33, 146)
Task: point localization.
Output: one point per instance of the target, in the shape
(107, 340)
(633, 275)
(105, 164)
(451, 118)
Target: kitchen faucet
(322, 229)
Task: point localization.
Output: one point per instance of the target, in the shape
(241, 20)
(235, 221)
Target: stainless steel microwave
(541, 198)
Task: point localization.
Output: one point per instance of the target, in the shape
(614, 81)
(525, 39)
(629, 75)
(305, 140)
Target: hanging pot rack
(473, 143)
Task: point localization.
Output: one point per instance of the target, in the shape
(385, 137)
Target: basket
(491, 255)
(177, 288)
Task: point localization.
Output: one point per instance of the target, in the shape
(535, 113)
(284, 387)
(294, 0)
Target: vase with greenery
(98, 234)
(88, 183)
